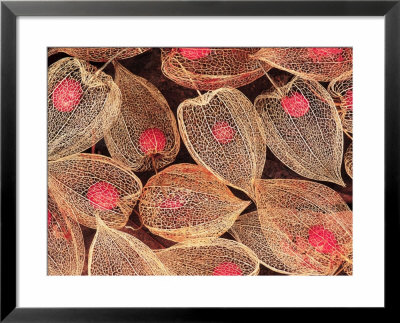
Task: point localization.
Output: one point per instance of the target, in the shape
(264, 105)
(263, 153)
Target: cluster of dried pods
(300, 227)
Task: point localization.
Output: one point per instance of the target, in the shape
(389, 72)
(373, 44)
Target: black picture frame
(10, 10)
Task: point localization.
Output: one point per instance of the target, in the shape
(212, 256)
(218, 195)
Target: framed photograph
(145, 117)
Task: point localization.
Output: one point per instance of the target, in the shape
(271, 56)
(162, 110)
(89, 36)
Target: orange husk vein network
(87, 184)
(303, 129)
(145, 133)
(65, 245)
(213, 69)
(223, 132)
(83, 102)
(98, 54)
(210, 256)
(186, 201)
(307, 226)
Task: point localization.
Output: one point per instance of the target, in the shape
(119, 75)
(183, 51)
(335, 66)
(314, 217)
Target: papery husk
(311, 144)
(200, 257)
(222, 67)
(305, 63)
(288, 210)
(98, 54)
(143, 107)
(65, 245)
(338, 89)
(186, 201)
(70, 178)
(75, 131)
(348, 160)
(116, 253)
(236, 163)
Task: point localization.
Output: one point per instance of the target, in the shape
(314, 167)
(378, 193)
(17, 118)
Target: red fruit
(348, 100)
(48, 218)
(223, 132)
(152, 141)
(194, 53)
(67, 95)
(171, 204)
(296, 105)
(323, 240)
(319, 54)
(227, 269)
(103, 195)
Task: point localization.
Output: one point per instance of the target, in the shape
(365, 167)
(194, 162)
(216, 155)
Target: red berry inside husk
(67, 95)
(48, 218)
(223, 132)
(152, 141)
(322, 53)
(103, 195)
(295, 105)
(348, 100)
(227, 269)
(171, 204)
(194, 53)
(323, 240)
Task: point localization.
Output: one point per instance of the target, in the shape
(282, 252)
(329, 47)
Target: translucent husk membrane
(319, 64)
(209, 256)
(213, 68)
(307, 227)
(303, 129)
(223, 132)
(82, 103)
(98, 54)
(65, 245)
(115, 253)
(186, 201)
(143, 108)
(341, 89)
(86, 185)
(348, 160)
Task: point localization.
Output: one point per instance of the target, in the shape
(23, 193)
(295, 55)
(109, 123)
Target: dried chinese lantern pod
(212, 68)
(186, 201)
(341, 89)
(65, 245)
(247, 230)
(316, 63)
(115, 253)
(146, 127)
(303, 129)
(348, 160)
(210, 257)
(87, 184)
(307, 224)
(223, 132)
(98, 54)
(82, 103)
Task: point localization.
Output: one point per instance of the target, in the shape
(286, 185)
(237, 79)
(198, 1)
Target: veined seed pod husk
(186, 201)
(86, 185)
(303, 129)
(65, 245)
(341, 89)
(223, 132)
(315, 63)
(348, 160)
(82, 103)
(143, 108)
(307, 226)
(210, 256)
(116, 253)
(212, 68)
(98, 54)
